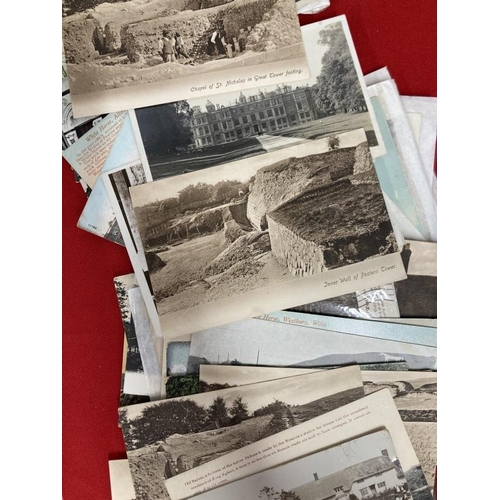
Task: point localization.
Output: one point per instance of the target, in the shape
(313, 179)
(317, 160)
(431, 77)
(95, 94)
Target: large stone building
(253, 115)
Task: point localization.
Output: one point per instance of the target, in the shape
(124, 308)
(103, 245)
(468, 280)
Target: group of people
(220, 44)
(171, 47)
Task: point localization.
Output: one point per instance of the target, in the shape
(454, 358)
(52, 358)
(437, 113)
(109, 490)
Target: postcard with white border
(168, 437)
(376, 411)
(364, 467)
(254, 342)
(275, 231)
(126, 55)
(197, 133)
(414, 392)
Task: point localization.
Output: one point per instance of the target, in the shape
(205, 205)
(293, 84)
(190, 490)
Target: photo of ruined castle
(244, 226)
(113, 45)
(203, 132)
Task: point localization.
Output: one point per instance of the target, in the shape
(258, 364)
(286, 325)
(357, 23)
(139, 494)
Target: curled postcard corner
(311, 6)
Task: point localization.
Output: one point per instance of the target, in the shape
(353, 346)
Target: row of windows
(371, 489)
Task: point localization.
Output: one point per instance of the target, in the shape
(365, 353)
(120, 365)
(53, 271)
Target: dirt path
(274, 142)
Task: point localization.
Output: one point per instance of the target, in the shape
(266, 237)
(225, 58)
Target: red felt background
(401, 35)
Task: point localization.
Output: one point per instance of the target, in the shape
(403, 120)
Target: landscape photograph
(112, 46)
(254, 342)
(166, 438)
(364, 468)
(197, 133)
(220, 233)
(415, 395)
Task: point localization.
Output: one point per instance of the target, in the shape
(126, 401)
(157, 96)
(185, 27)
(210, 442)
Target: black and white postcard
(264, 234)
(197, 133)
(374, 412)
(364, 467)
(165, 438)
(415, 395)
(417, 295)
(130, 54)
(254, 342)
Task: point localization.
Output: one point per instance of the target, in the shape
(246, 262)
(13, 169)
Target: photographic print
(415, 396)
(371, 413)
(165, 438)
(197, 133)
(254, 342)
(129, 54)
(73, 128)
(285, 227)
(417, 295)
(363, 468)
(414, 393)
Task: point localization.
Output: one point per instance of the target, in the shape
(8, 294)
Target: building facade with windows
(258, 114)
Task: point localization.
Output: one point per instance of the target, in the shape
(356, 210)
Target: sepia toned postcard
(255, 342)
(364, 467)
(73, 128)
(125, 55)
(374, 412)
(122, 487)
(415, 395)
(165, 438)
(417, 297)
(255, 236)
(197, 133)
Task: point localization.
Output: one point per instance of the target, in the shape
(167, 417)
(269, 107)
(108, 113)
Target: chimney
(316, 478)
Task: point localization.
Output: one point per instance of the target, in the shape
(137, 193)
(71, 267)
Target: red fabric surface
(398, 34)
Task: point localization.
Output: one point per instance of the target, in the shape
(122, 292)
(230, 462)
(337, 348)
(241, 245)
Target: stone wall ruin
(274, 25)
(311, 234)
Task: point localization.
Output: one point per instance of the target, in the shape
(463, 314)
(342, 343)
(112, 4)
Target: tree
(81, 5)
(267, 493)
(276, 406)
(338, 88)
(182, 386)
(165, 128)
(238, 411)
(159, 421)
(217, 412)
(194, 193)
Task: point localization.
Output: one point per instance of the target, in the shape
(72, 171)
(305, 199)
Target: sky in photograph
(284, 344)
(293, 390)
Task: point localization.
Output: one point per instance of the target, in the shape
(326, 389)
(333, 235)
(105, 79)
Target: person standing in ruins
(179, 46)
(167, 47)
(242, 39)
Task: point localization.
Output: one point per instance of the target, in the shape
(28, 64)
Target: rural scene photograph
(254, 342)
(415, 395)
(243, 226)
(110, 45)
(199, 133)
(169, 437)
(365, 468)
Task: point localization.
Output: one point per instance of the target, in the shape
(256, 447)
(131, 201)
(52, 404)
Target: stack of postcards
(279, 212)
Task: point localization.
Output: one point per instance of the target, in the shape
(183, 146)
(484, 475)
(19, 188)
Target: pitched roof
(324, 487)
